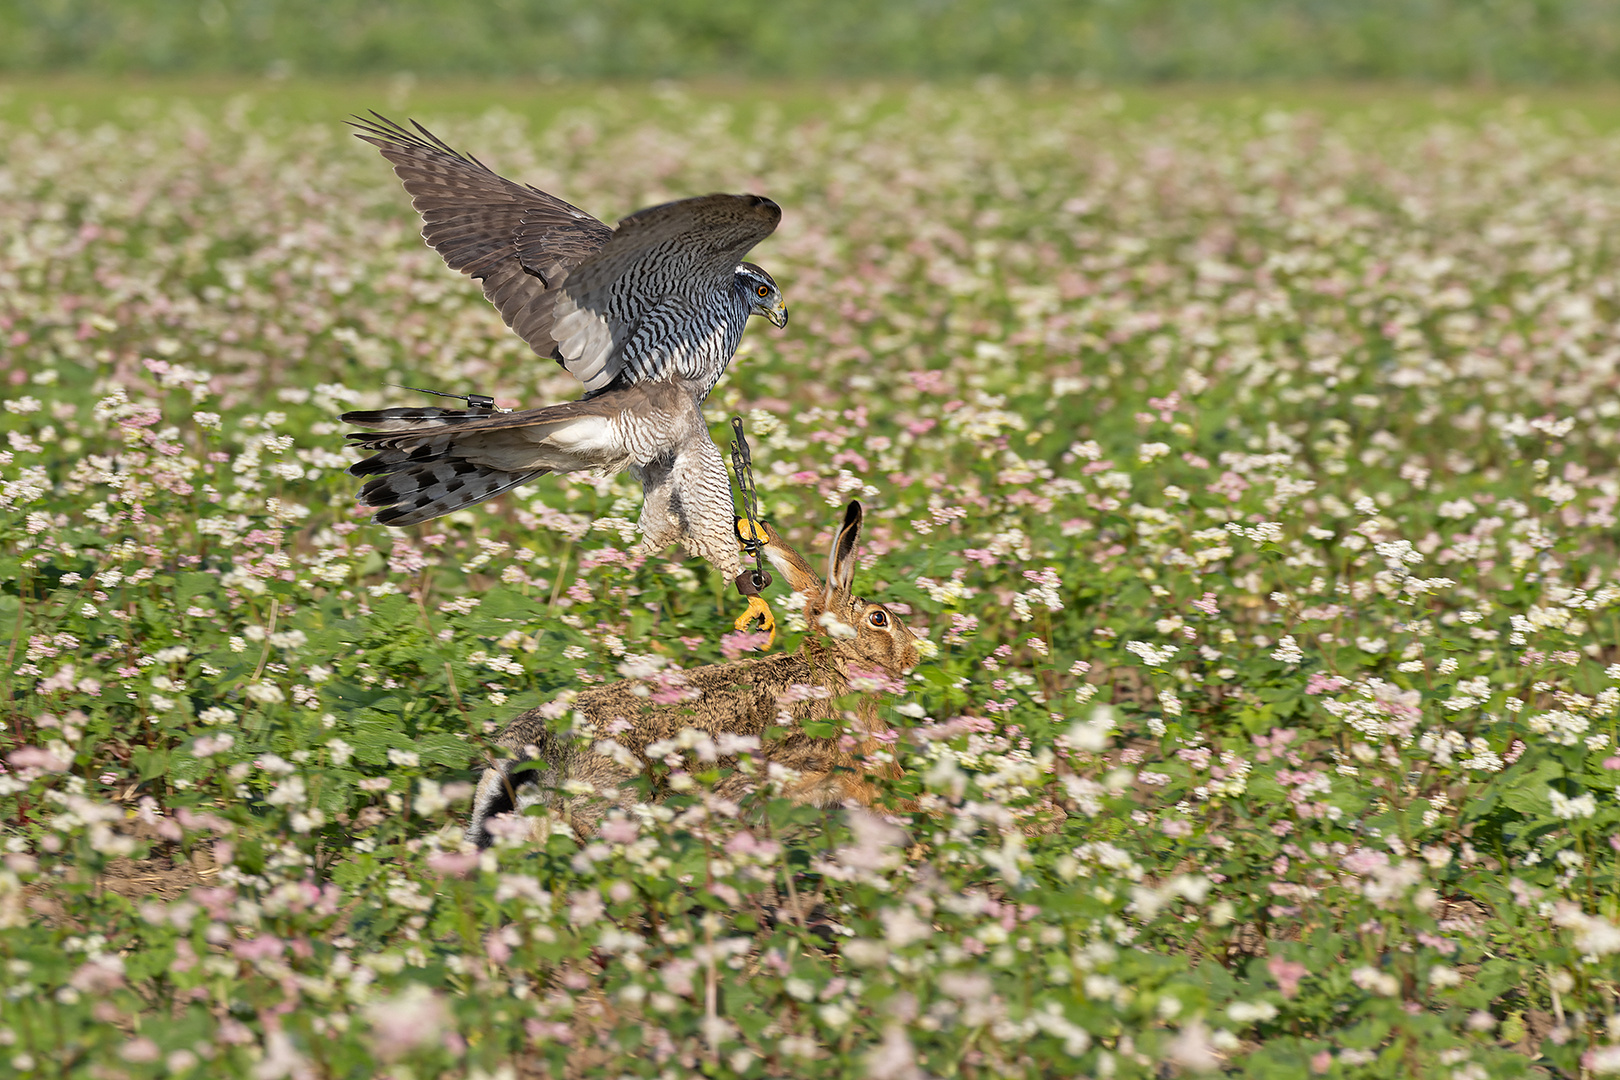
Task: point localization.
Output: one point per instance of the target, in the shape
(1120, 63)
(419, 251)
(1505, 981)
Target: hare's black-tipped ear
(841, 559)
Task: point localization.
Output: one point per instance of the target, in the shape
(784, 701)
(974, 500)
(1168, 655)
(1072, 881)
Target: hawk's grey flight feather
(646, 315)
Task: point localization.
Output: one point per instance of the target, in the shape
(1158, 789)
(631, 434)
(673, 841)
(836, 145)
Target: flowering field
(1249, 472)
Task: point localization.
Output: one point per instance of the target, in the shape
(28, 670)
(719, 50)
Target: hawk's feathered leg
(688, 502)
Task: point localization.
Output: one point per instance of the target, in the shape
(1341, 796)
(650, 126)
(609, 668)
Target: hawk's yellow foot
(758, 608)
(749, 582)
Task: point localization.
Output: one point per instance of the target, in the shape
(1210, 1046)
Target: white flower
(1594, 935)
(1374, 981)
(1249, 1012)
(836, 627)
(1148, 453)
(1288, 650)
(1567, 809)
(290, 792)
(265, 693)
(209, 745)
(1443, 976)
(1154, 655)
(1096, 734)
(274, 763)
(430, 800)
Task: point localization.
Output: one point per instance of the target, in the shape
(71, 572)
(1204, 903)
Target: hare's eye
(878, 619)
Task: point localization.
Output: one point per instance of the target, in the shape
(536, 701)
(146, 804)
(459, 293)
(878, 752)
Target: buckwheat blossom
(894, 1058)
(1251, 1012)
(1095, 733)
(1288, 650)
(876, 847)
(1192, 1048)
(140, 1050)
(1571, 808)
(210, 745)
(1288, 974)
(265, 693)
(1559, 726)
(1593, 935)
(1152, 655)
(1374, 981)
(414, 1017)
(34, 757)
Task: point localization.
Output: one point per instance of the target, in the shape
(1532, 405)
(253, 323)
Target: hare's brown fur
(742, 698)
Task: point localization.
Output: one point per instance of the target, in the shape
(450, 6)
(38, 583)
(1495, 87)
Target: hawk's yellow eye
(763, 291)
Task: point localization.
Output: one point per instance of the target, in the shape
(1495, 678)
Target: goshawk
(646, 315)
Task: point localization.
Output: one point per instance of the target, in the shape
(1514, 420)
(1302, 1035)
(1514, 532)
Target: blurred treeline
(1136, 40)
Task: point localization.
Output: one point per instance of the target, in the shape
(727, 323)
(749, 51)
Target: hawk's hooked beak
(778, 315)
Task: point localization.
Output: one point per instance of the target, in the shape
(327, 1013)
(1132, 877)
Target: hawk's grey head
(764, 298)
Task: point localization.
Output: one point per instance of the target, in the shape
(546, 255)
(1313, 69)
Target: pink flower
(34, 757)
(415, 1017)
(1365, 861)
(874, 681)
(678, 974)
(585, 908)
(619, 830)
(1322, 683)
(738, 642)
(1193, 1049)
(453, 863)
(1288, 973)
(140, 1050)
(258, 948)
(98, 975)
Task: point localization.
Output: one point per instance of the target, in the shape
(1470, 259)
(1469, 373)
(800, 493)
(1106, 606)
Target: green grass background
(1514, 41)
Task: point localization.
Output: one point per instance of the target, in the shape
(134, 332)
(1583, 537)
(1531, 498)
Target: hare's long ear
(788, 562)
(841, 559)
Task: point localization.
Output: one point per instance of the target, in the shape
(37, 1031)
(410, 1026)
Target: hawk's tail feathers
(414, 492)
(413, 419)
(391, 457)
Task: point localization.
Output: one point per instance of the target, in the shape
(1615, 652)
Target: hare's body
(739, 699)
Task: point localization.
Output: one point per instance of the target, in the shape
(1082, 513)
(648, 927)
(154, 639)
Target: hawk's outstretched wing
(572, 288)
(516, 239)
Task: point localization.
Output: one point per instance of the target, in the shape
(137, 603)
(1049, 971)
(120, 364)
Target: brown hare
(848, 638)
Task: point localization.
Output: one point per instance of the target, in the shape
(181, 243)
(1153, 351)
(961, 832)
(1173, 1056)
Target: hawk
(646, 315)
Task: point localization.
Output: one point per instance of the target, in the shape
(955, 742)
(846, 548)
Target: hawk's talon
(758, 608)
